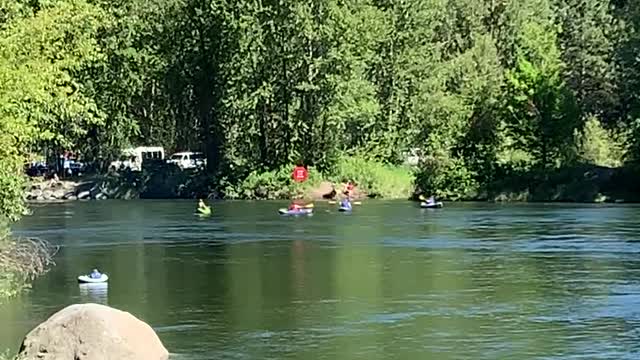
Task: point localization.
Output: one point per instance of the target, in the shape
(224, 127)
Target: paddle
(309, 206)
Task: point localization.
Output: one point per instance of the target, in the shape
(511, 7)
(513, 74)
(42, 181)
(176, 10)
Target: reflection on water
(391, 281)
(97, 293)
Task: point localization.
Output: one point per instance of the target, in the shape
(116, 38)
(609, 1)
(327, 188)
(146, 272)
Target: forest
(485, 90)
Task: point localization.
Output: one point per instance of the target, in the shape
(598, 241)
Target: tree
(586, 41)
(41, 105)
(540, 110)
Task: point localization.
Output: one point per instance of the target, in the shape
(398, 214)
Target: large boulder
(92, 332)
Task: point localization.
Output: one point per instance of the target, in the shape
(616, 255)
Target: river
(389, 281)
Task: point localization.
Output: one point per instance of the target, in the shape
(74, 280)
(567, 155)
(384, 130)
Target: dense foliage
(481, 88)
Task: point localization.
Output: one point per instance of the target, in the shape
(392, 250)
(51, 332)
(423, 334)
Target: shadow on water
(389, 281)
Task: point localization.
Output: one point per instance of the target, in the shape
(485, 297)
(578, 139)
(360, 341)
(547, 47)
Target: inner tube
(435, 205)
(87, 279)
(303, 211)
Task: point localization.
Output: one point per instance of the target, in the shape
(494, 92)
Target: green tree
(41, 105)
(128, 84)
(540, 109)
(586, 41)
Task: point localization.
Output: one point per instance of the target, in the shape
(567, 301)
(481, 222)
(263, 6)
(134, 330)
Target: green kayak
(204, 211)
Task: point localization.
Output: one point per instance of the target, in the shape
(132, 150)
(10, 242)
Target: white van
(132, 158)
(188, 159)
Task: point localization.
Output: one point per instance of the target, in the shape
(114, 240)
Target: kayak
(344, 209)
(304, 211)
(87, 279)
(204, 211)
(435, 205)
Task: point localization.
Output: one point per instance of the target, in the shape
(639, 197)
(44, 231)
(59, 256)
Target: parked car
(38, 168)
(188, 160)
(77, 167)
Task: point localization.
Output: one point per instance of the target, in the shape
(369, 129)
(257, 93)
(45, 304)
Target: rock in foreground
(92, 332)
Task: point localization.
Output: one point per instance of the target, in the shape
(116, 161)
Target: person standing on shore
(349, 188)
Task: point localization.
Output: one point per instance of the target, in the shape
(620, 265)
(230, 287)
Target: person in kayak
(431, 200)
(202, 207)
(296, 204)
(95, 274)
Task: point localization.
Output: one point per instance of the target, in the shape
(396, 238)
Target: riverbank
(581, 183)
(373, 180)
(99, 187)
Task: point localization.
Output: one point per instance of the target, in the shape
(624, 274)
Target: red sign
(300, 174)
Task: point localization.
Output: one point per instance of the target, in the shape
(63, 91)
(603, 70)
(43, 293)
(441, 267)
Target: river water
(389, 281)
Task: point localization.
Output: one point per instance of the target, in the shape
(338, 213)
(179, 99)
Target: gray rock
(84, 195)
(69, 194)
(92, 332)
(101, 196)
(35, 194)
(47, 194)
(58, 194)
(72, 197)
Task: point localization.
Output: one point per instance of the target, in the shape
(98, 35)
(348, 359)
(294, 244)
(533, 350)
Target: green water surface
(388, 281)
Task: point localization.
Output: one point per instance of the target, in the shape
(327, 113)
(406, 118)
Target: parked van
(132, 158)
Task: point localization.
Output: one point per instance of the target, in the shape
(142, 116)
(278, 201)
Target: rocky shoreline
(56, 191)
(115, 187)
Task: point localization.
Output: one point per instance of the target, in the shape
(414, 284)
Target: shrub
(447, 178)
(374, 178)
(21, 260)
(270, 185)
(11, 189)
(598, 146)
